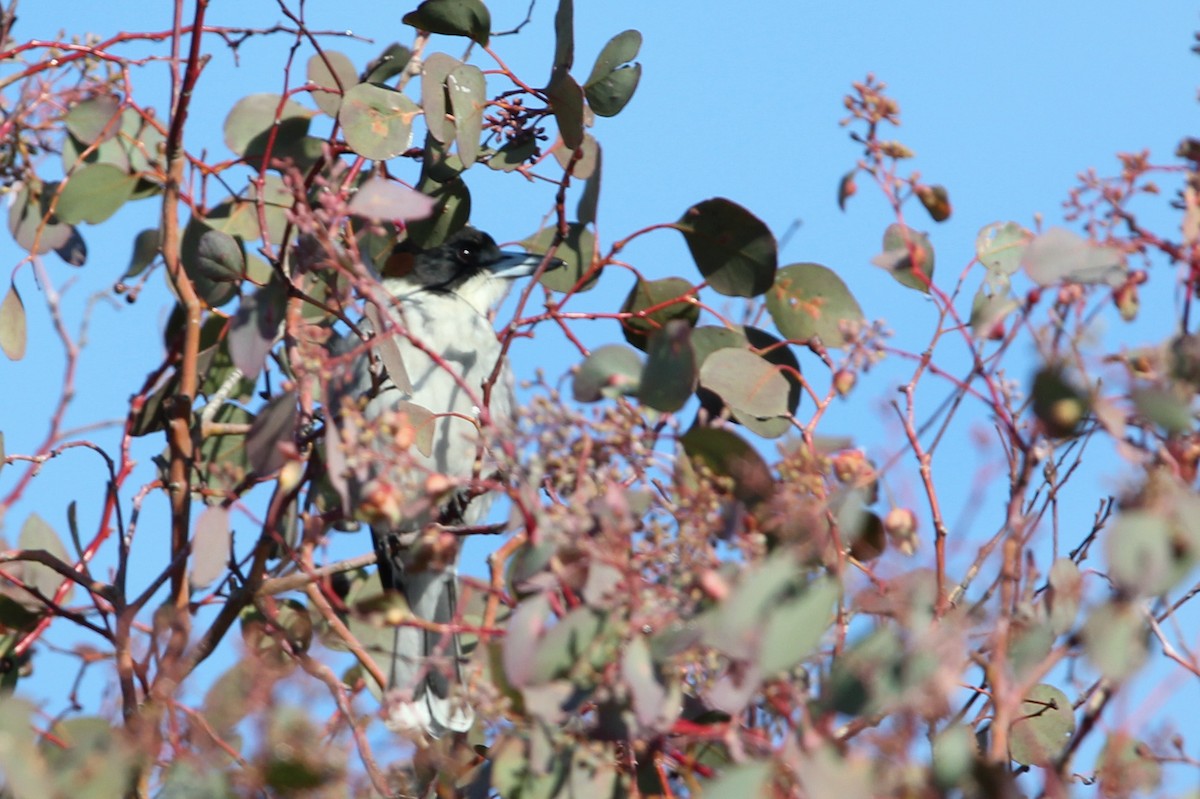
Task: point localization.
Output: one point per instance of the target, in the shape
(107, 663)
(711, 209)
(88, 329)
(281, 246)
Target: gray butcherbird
(442, 297)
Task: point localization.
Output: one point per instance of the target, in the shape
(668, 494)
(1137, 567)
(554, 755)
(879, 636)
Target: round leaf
(37, 534)
(331, 74)
(577, 251)
(468, 18)
(1064, 595)
(94, 118)
(907, 256)
(250, 122)
(1042, 728)
(733, 249)
(620, 49)
(1059, 255)
(391, 62)
(377, 120)
(1115, 639)
(609, 371)
(746, 382)
(145, 249)
(810, 300)
(669, 377)
(1000, 246)
(94, 193)
(727, 454)
(31, 223)
(609, 95)
(794, 627)
(659, 301)
(219, 257)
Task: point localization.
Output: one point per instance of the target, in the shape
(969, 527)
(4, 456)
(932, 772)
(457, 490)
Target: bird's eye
(465, 254)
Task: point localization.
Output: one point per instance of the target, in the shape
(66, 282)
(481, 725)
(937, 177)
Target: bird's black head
(467, 254)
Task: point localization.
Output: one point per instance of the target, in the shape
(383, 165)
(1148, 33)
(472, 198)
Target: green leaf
(331, 73)
(811, 300)
(727, 454)
(391, 62)
(451, 210)
(1115, 638)
(219, 257)
(778, 354)
(669, 377)
(434, 71)
(611, 370)
(94, 119)
(746, 382)
(1064, 595)
(467, 88)
(1042, 728)
(577, 251)
(1167, 409)
(647, 693)
(707, 339)
(795, 626)
(37, 534)
(1059, 256)
(733, 249)
(566, 645)
(1145, 556)
(35, 229)
(907, 256)
(741, 781)
(1126, 767)
(989, 308)
(1000, 247)
(736, 625)
(377, 120)
(146, 246)
(566, 100)
(619, 50)
(214, 292)
(589, 200)
(564, 35)
(25, 772)
(468, 18)
(513, 154)
(585, 165)
(658, 302)
(13, 332)
(250, 123)
(94, 193)
(609, 96)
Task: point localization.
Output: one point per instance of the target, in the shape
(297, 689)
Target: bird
(442, 299)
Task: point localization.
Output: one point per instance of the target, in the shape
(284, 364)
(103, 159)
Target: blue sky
(1003, 103)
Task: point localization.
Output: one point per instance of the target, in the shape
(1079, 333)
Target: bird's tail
(426, 665)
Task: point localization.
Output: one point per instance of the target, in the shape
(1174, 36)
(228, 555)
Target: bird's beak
(512, 265)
